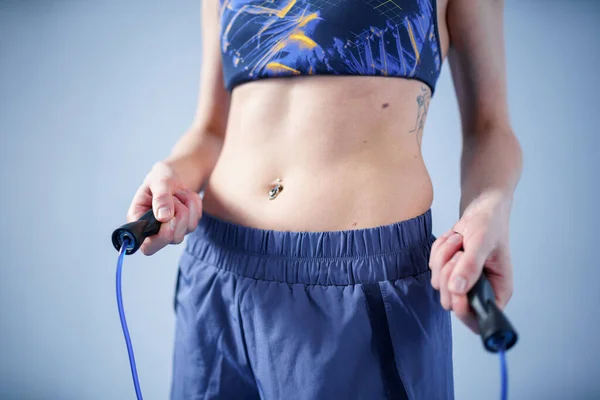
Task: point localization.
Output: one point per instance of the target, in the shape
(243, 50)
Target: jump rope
(496, 331)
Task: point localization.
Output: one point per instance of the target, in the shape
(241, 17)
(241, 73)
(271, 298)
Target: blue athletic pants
(264, 314)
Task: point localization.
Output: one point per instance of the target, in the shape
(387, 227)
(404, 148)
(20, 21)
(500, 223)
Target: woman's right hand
(178, 208)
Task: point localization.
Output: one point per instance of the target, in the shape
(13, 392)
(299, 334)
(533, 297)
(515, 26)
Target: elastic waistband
(332, 258)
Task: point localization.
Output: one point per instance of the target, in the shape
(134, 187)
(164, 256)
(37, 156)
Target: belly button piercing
(274, 192)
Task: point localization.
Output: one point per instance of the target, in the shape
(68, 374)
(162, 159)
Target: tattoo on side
(423, 103)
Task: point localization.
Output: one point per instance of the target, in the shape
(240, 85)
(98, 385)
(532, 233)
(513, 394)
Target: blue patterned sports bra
(270, 38)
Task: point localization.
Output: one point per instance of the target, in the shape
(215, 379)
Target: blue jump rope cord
(136, 382)
(503, 375)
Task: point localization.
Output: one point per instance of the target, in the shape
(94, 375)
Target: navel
(277, 187)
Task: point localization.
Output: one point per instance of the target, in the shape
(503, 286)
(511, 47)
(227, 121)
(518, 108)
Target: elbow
(494, 138)
(513, 150)
(492, 131)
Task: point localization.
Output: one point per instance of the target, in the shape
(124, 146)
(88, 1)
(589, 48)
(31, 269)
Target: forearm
(194, 156)
(491, 163)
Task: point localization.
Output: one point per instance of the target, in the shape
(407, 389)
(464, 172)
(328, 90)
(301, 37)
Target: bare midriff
(322, 153)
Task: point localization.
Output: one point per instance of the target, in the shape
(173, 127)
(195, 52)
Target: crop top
(270, 38)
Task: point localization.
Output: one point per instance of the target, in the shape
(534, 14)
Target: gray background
(93, 92)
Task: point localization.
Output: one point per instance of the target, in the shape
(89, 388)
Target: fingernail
(455, 238)
(172, 223)
(458, 284)
(163, 212)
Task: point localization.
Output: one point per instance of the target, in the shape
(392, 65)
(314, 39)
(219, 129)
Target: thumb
(162, 199)
(469, 267)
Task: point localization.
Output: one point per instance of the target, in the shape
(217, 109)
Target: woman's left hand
(477, 242)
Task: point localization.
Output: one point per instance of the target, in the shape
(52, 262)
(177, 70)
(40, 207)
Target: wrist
(188, 169)
(194, 157)
(496, 199)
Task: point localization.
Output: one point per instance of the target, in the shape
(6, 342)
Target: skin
(348, 152)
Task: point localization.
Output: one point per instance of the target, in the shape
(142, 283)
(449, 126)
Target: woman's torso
(346, 148)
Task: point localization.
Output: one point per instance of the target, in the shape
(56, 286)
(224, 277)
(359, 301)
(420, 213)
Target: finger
(435, 246)
(503, 287)
(154, 243)
(441, 239)
(462, 309)
(141, 202)
(469, 267)
(162, 198)
(198, 199)
(186, 197)
(441, 255)
(445, 273)
(181, 217)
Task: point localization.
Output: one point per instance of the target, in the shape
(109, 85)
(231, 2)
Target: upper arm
(213, 99)
(477, 62)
